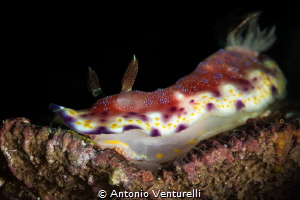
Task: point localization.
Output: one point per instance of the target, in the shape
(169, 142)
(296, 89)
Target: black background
(46, 49)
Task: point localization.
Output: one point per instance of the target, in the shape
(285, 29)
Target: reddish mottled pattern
(251, 144)
(219, 68)
(168, 177)
(107, 157)
(147, 176)
(236, 145)
(189, 168)
(100, 158)
(225, 152)
(66, 141)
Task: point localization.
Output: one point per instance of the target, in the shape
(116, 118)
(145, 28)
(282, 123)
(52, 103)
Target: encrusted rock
(260, 159)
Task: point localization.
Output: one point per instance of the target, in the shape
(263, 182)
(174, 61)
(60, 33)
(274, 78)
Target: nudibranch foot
(227, 88)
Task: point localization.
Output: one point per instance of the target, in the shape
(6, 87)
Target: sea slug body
(227, 88)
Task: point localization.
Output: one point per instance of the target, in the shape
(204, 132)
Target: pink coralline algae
(258, 159)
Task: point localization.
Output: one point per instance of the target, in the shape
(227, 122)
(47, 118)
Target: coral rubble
(259, 160)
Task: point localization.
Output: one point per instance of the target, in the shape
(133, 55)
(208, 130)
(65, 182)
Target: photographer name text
(194, 193)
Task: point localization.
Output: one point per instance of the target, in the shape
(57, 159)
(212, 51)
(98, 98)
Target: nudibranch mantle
(224, 90)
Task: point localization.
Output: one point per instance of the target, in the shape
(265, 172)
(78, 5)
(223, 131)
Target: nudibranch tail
(223, 91)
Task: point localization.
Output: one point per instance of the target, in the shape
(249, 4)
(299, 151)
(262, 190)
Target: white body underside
(151, 146)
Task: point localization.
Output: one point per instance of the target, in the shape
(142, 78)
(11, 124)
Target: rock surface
(260, 159)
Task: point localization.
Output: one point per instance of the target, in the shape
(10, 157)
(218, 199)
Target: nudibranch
(227, 88)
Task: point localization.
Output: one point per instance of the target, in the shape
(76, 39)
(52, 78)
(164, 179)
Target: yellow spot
(227, 106)
(217, 100)
(138, 121)
(192, 114)
(156, 118)
(258, 87)
(225, 99)
(211, 98)
(204, 96)
(144, 156)
(244, 101)
(170, 124)
(234, 101)
(240, 94)
(130, 121)
(159, 155)
(249, 99)
(233, 95)
(78, 123)
(219, 105)
(231, 91)
(120, 120)
(184, 119)
(163, 126)
(176, 150)
(254, 98)
(179, 117)
(147, 124)
(71, 112)
(174, 126)
(113, 126)
(88, 126)
(198, 104)
(261, 73)
(88, 121)
(157, 124)
(148, 128)
(134, 154)
(103, 124)
(116, 142)
(191, 141)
